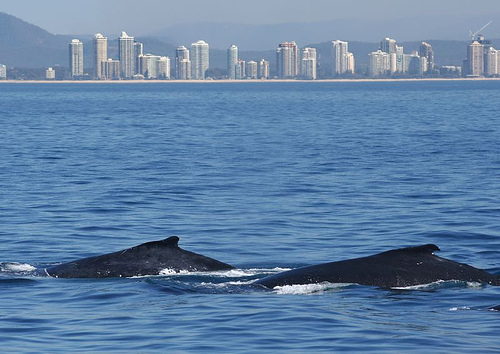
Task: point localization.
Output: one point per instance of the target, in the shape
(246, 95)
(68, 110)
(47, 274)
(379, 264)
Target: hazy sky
(143, 17)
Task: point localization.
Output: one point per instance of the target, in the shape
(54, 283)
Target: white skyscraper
(100, 54)
(399, 59)
(252, 72)
(340, 57)
(76, 58)
(110, 69)
(149, 65)
(199, 60)
(138, 51)
(241, 70)
(126, 55)
(309, 61)
(389, 46)
(427, 52)
(232, 61)
(182, 64)
(491, 62)
(287, 59)
(264, 69)
(379, 63)
(351, 63)
(475, 59)
(164, 68)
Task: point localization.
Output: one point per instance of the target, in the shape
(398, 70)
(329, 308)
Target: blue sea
(263, 176)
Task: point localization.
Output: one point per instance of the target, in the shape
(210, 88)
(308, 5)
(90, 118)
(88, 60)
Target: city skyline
(292, 62)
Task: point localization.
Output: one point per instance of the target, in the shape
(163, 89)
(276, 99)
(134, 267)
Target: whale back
(146, 259)
(391, 269)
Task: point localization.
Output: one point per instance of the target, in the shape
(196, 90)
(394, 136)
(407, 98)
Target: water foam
(16, 268)
(233, 273)
(308, 289)
(440, 284)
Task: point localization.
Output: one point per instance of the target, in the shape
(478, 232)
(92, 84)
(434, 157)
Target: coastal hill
(24, 45)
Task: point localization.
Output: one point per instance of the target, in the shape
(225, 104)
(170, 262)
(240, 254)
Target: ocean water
(264, 176)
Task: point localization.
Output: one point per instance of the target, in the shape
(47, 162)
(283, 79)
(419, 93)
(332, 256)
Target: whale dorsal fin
(172, 241)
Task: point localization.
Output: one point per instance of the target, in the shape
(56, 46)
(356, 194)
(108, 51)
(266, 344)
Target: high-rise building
(379, 64)
(126, 53)
(232, 60)
(182, 64)
(50, 74)
(241, 70)
(351, 63)
(149, 65)
(475, 59)
(76, 58)
(3, 72)
(164, 68)
(138, 51)
(417, 65)
(100, 54)
(427, 52)
(389, 46)
(252, 72)
(200, 61)
(340, 53)
(264, 69)
(287, 59)
(110, 69)
(309, 60)
(491, 62)
(400, 59)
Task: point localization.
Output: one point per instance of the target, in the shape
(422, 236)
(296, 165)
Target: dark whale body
(146, 259)
(392, 269)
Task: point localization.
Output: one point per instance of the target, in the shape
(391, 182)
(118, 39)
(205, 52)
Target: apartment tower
(199, 60)
(100, 54)
(126, 54)
(76, 58)
(232, 61)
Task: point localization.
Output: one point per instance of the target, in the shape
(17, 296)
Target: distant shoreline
(235, 81)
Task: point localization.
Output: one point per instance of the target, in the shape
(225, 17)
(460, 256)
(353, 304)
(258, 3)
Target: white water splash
(462, 308)
(169, 272)
(308, 289)
(233, 273)
(440, 284)
(16, 268)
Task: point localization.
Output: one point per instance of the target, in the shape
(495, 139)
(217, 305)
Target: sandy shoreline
(233, 81)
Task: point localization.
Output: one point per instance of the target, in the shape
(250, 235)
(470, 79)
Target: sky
(144, 17)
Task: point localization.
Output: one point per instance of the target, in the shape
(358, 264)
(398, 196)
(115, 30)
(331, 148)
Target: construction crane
(473, 35)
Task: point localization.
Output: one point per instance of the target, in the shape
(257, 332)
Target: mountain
(267, 36)
(25, 45)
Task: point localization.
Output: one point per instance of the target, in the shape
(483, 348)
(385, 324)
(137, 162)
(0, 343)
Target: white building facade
(232, 61)
(100, 54)
(200, 60)
(126, 53)
(76, 58)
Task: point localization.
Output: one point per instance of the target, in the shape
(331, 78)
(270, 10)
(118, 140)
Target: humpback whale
(398, 268)
(146, 259)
